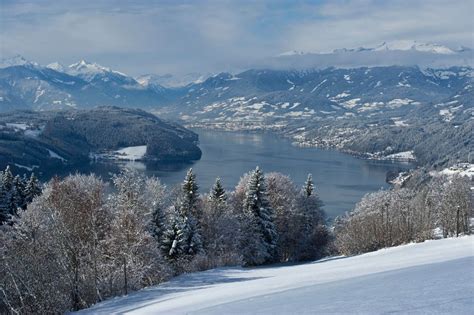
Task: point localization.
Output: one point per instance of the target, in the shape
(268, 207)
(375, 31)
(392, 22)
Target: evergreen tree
(217, 193)
(32, 188)
(308, 186)
(7, 178)
(190, 195)
(18, 193)
(11, 195)
(157, 222)
(181, 239)
(262, 241)
(312, 234)
(183, 233)
(4, 210)
(172, 243)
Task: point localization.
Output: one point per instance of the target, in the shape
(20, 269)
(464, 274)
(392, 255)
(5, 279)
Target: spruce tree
(157, 222)
(9, 196)
(217, 193)
(312, 233)
(18, 193)
(32, 188)
(189, 194)
(183, 233)
(308, 186)
(172, 241)
(259, 222)
(4, 210)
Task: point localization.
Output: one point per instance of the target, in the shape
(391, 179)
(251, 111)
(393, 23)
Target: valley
(372, 112)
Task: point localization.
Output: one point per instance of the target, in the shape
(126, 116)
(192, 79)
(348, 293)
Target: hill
(49, 139)
(429, 277)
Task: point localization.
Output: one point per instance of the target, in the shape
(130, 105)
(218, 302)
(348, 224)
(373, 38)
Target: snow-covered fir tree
(309, 185)
(260, 238)
(182, 235)
(218, 193)
(173, 237)
(32, 188)
(219, 226)
(157, 224)
(15, 193)
(312, 234)
(181, 239)
(189, 195)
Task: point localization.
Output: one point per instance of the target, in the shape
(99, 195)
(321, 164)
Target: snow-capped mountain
(56, 66)
(400, 52)
(16, 60)
(282, 96)
(25, 84)
(413, 45)
(89, 71)
(395, 45)
(172, 81)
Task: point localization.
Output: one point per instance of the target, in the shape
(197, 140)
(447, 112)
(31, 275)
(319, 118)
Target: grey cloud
(187, 36)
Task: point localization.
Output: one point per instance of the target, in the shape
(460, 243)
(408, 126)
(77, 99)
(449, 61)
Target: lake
(340, 179)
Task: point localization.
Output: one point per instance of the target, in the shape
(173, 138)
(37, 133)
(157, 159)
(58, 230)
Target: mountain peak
(85, 66)
(413, 45)
(16, 60)
(90, 69)
(56, 66)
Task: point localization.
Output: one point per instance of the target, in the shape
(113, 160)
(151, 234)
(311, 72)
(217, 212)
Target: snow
(28, 168)
(54, 155)
(17, 126)
(414, 45)
(351, 103)
(131, 153)
(56, 66)
(430, 277)
(16, 60)
(90, 69)
(290, 53)
(461, 169)
(342, 95)
(401, 156)
(397, 121)
(398, 102)
(316, 87)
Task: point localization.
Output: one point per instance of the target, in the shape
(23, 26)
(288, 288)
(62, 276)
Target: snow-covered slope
(431, 277)
(15, 61)
(414, 45)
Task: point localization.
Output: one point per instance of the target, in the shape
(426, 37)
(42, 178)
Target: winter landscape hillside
(433, 277)
(236, 157)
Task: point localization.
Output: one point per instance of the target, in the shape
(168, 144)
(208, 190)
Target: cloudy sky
(146, 36)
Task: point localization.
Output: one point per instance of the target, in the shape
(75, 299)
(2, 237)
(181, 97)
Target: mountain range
(289, 77)
(331, 105)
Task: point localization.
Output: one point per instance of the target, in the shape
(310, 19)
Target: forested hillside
(47, 140)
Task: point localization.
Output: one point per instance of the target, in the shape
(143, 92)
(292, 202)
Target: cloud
(357, 23)
(188, 36)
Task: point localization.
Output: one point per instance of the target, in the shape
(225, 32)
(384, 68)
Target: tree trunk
(125, 282)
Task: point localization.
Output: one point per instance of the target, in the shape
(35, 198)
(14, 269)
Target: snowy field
(435, 277)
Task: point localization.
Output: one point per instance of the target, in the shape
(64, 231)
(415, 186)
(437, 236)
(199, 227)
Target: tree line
(79, 242)
(16, 193)
(442, 207)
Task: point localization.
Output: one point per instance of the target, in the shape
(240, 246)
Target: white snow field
(434, 277)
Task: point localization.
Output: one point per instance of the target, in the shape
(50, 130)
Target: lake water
(341, 179)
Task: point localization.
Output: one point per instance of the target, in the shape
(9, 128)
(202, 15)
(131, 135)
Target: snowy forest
(72, 242)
